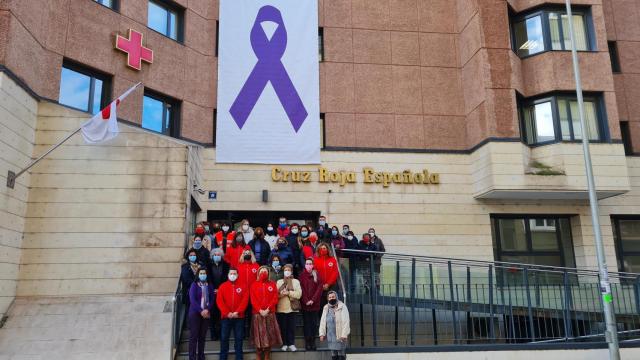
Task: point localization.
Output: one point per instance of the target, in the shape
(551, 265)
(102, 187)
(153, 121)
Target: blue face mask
(217, 258)
(197, 245)
(334, 232)
(275, 264)
(304, 233)
(192, 258)
(283, 225)
(202, 277)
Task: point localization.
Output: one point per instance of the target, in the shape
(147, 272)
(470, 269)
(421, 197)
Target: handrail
(344, 291)
(484, 263)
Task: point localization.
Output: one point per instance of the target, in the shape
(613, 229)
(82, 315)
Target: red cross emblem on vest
(136, 53)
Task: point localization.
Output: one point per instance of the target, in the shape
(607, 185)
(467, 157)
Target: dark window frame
(614, 57)
(323, 125)
(627, 142)
(601, 115)
(217, 37)
(543, 12)
(321, 44)
(93, 74)
(115, 4)
(174, 111)
(170, 6)
(620, 252)
(497, 246)
(215, 125)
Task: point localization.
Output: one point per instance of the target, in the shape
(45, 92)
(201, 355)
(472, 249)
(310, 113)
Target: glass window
(320, 44)
(627, 238)
(108, 3)
(83, 90)
(539, 120)
(529, 38)
(537, 240)
(549, 30)
(159, 114)
(164, 19)
(613, 54)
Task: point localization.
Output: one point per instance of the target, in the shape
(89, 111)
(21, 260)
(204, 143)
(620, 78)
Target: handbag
(294, 303)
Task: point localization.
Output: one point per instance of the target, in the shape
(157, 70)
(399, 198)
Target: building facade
(449, 126)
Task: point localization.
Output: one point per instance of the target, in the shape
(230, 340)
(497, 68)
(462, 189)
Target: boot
(259, 354)
(307, 344)
(335, 357)
(312, 341)
(266, 354)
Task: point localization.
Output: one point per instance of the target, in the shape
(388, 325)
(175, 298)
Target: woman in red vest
(233, 252)
(265, 332)
(327, 267)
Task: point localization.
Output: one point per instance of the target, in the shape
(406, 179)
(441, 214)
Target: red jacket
(230, 236)
(264, 295)
(232, 297)
(232, 255)
(307, 252)
(283, 232)
(248, 273)
(327, 268)
(311, 290)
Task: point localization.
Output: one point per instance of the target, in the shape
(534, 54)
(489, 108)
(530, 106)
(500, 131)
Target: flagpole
(611, 333)
(11, 176)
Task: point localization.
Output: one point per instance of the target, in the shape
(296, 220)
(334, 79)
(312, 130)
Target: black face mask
(247, 257)
(333, 302)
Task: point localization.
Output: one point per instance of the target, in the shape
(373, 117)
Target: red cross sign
(136, 53)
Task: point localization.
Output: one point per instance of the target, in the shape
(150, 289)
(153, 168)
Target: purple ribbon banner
(269, 68)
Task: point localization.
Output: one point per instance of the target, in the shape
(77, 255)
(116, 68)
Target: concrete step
(215, 345)
(249, 354)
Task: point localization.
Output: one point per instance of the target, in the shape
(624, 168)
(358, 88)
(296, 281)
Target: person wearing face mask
(351, 243)
(247, 275)
(189, 273)
(283, 228)
(310, 302)
(235, 250)
(246, 230)
(293, 241)
(201, 232)
(271, 236)
(323, 229)
(327, 267)
(215, 227)
(335, 326)
(288, 306)
(363, 263)
(260, 247)
(283, 251)
(201, 300)
(308, 246)
(201, 252)
(265, 332)
(276, 268)
(225, 233)
(218, 274)
(377, 242)
(336, 240)
(232, 300)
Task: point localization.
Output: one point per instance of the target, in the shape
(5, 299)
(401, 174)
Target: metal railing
(341, 284)
(424, 301)
(178, 315)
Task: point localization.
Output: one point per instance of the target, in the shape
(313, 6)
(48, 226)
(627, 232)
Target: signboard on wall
(268, 82)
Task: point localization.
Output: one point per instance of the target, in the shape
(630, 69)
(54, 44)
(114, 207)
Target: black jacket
(265, 251)
(187, 277)
(218, 273)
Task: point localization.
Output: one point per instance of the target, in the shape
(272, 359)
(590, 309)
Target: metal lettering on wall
(342, 177)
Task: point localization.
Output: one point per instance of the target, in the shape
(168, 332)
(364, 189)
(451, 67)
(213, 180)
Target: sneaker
(284, 348)
(293, 348)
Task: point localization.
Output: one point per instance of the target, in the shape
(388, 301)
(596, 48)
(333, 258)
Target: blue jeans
(237, 325)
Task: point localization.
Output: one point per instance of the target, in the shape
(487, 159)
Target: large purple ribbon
(269, 68)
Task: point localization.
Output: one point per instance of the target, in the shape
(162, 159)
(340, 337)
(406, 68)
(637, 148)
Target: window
(323, 132)
(215, 125)
(533, 239)
(613, 54)
(113, 4)
(625, 132)
(321, 44)
(549, 30)
(165, 19)
(556, 118)
(217, 36)
(83, 89)
(160, 114)
(626, 230)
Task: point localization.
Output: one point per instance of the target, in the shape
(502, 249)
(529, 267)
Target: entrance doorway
(262, 218)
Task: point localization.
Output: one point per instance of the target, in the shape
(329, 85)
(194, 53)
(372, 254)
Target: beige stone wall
(438, 220)
(17, 133)
(103, 219)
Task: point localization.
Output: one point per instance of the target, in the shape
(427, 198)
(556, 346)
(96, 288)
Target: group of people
(261, 279)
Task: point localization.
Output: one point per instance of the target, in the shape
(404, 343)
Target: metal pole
(11, 176)
(611, 335)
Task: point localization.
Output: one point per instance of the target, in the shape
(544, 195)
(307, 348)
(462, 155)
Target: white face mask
(287, 273)
(225, 228)
(233, 277)
(350, 237)
(294, 231)
(245, 227)
(270, 228)
(372, 234)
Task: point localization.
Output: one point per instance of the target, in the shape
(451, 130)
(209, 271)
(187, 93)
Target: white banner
(268, 82)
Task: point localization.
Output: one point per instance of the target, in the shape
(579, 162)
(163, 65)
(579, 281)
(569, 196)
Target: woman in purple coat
(202, 299)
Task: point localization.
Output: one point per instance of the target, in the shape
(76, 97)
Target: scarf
(204, 299)
(194, 267)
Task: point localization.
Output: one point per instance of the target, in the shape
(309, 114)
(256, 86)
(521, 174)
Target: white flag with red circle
(103, 126)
